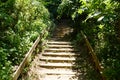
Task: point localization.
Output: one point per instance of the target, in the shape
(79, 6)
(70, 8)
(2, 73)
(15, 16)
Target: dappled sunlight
(59, 39)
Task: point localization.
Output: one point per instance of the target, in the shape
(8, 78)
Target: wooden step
(61, 77)
(60, 54)
(49, 72)
(57, 65)
(59, 42)
(59, 46)
(60, 50)
(59, 59)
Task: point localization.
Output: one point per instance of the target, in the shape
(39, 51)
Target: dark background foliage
(21, 21)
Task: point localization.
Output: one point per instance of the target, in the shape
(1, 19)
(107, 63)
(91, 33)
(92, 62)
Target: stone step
(59, 46)
(60, 54)
(59, 42)
(56, 65)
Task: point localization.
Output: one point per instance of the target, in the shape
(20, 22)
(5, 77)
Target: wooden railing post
(25, 60)
(93, 55)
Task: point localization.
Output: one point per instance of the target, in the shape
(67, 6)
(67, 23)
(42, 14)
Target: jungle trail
(59, 40)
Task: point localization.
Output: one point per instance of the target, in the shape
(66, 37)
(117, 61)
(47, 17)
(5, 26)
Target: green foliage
(100, 21)
(21, 22)
(5, 67)
(68, 7)
(52, 6)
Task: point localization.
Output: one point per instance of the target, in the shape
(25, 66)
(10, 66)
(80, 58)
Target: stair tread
(58, 58)
(59, 42)
(60, 49)
(57, 65)
(66, 46)
(60, 54)
(58, 72)
(61, 77)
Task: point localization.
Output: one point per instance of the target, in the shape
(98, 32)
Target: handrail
(25, 60)
(93, 55)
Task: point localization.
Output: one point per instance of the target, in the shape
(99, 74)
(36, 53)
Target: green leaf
(80, 11)
(101, 26)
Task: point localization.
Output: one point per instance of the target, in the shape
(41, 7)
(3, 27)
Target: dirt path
(62, 31)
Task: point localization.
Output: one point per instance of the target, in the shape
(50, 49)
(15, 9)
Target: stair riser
(72, 62)
(61, 54)
(60, 67)
(60, 51)
(72, 74)
(60, 46)
(59, 43)
(57, 66)
(47, 55)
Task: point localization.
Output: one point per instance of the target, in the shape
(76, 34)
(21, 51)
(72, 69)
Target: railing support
(25, 60)
(93, 55)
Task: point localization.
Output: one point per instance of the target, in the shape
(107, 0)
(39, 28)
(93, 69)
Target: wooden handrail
(93, 55)
(25, 60)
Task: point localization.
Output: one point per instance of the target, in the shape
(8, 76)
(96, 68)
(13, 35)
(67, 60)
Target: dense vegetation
(52, 6)
(99, 19)
(21, 22)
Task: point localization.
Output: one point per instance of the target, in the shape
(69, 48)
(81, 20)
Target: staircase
(57, 62)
